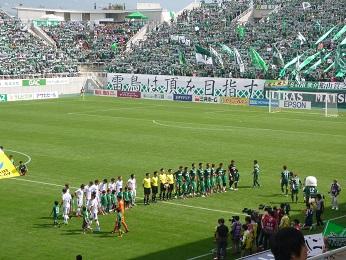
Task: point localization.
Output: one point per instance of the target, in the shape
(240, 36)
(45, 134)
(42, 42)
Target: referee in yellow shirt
(147, 187)
(154, 186)
(170, 181)
(163, 184)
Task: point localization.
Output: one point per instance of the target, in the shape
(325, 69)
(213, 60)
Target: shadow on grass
(202, 249)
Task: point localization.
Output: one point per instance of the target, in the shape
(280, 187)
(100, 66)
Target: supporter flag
(114, 46)
(308, 60)
(340, 61)
(292, 62)
(217, 55)
(239, 60)
(317, 63)
(241, 31)
(172, 15)
(306, 5)
(329, 67)
(277, 57)
(257, 60)
(182, 59)
(324, 36)
(227, 50)
(301, 38)
(343, 42)
(203, 55)
(339, 33)
(7, 169)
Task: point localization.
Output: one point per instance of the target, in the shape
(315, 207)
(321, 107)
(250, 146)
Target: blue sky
(174, 5)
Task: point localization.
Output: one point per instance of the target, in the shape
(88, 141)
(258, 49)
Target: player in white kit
(94, 208)
(131, 183)
(118, 184)
(80, 199)
(66, 205)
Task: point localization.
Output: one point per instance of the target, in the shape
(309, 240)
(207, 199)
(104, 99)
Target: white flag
(301, 38)
(217, 55)
(239, 61)
(306, 5)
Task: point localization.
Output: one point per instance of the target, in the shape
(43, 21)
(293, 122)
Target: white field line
(164, 202)
(27, 156)
(113, 109)
(230, 128)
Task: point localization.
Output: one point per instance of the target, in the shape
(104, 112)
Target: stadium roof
(98, 11)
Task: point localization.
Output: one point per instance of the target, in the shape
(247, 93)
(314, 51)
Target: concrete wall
(97, 16)
(76, 16)
(26, 15)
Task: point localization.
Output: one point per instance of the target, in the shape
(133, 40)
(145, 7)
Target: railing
(332, 253)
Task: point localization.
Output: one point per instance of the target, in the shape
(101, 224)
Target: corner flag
(7, 169)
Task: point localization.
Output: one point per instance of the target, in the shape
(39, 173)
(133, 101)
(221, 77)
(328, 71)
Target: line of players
(197, 181)
(98, 198)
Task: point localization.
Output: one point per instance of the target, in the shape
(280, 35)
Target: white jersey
(94, 188)
(66, 200)
(111, 186)
(94, 206)
(103, 187)
(131, 183)
(79, 194)
(118, 186)
(87, 192)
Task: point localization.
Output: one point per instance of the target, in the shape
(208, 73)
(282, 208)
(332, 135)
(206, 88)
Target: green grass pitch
(73, 141)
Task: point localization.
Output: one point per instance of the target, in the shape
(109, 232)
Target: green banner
(33, 82)
(3, 97)
(307, 86)
(334, 230)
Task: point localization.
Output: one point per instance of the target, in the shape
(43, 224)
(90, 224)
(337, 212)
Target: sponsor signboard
(180, 97)
(20, 97)
(46, 95)
(293, 104)
(105, 92)
(235, 101)
(3, 97)
(129, 94)
(57, 81)
(206, 99)
(33, 82)
(11, 83)
(153, 96)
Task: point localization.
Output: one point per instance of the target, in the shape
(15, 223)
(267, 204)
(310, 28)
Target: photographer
(236, 234)
(221, 236)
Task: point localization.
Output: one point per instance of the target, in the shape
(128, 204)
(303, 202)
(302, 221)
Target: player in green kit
(207, 177)
(193, 177)
(186, 182)
(256, 172)
(295, 185)
(219, 184)
(213, 179)
(236, 177)
(86, 220)
(55, 212)
(200, 177)
(104, 203)
(109, 200)
(285, 176)
(179, 181)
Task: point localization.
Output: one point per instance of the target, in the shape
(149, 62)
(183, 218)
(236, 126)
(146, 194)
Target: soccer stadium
(210, 129)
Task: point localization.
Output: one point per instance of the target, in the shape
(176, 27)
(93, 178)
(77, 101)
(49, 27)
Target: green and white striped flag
(308, 60)
(324, 36)
(257, 60)
(277, 57)
(227, 50)
(217, 55)
(203, 55)
(339, 33)
(239, 61)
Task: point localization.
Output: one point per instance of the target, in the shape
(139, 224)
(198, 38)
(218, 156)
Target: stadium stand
(215, 23)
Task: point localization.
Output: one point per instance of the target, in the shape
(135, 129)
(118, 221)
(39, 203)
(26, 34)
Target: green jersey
(193, 174)
(256, 170)
(186, 176)
(86, 217)
(179, 176)
(285, 175)
(109, 198)
(104, 200)
(207, 173)
(236, 176)
(56, 210)
(126, 196)
(310, 191)
(200, 173)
